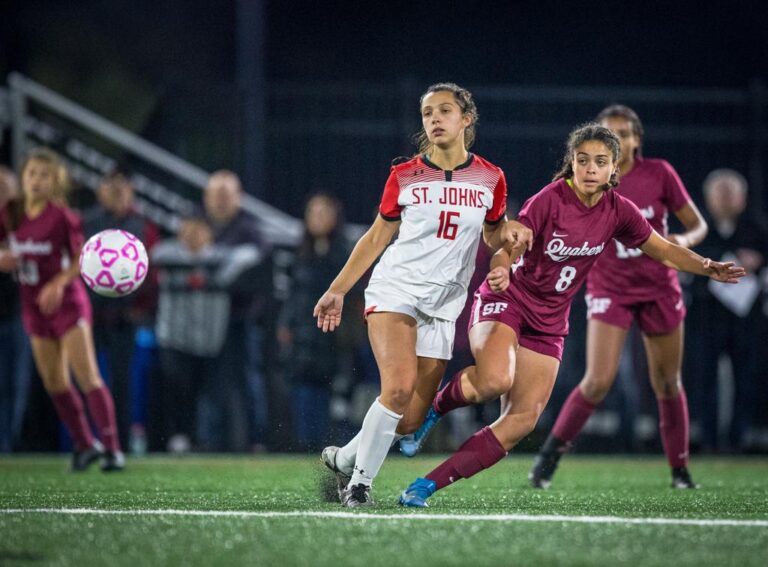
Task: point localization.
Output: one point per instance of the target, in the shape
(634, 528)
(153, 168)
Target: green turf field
(237, 511)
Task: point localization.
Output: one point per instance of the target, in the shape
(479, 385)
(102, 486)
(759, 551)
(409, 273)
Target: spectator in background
(313, 356)
(196, 279)
(728, 320)
(15, 357)
(191, 325)
(237, 409)
(116, 320)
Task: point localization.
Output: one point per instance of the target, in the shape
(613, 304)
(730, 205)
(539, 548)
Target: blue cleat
(415, 496)
(411, 444)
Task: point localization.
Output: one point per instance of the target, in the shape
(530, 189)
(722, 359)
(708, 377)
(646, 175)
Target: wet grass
(631, 488)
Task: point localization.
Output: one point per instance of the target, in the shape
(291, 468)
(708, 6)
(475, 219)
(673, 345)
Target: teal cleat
(415, 496)
(411, 444)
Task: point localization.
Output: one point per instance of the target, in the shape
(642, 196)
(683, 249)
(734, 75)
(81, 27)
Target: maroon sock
(673, 425)
(102, 410)
(479, 452)
(451, 397)
(69, 406)
(573, 415)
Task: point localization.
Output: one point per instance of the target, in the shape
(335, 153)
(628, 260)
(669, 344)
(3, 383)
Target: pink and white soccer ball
(113, 263)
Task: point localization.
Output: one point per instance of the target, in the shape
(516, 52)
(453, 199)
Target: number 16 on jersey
(447, 228)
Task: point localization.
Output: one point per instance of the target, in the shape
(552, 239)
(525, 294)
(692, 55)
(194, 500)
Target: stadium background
(299, 97)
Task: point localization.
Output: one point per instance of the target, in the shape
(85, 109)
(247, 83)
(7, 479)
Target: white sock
(376, 437)
(345, 458)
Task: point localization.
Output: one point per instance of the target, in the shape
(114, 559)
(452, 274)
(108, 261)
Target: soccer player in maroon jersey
(440, 201)
(44, 240)
(520, 316)
(626, 285)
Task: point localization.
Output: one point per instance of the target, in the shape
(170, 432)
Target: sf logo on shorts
(494, 308)
(597, 305)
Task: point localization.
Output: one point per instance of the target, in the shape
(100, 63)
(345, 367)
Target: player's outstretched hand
(726, 272)
(328, 311)
(498, 279)
(518, 235)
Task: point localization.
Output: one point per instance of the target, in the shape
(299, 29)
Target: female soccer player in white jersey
(626, 285)
(520, 321)
(438, 201)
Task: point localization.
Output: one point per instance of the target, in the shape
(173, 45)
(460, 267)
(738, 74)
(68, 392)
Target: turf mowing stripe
(366, 516)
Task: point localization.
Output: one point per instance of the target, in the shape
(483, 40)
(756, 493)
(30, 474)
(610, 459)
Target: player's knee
(666, 385)
(55, 384)
(396, 398)
(493, 385)
(594, 389)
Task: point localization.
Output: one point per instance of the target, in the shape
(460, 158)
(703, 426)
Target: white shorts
(434, 337)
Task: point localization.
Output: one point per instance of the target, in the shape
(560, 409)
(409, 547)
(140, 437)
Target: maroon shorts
(658, 317)
(74, 308)
(503, 308)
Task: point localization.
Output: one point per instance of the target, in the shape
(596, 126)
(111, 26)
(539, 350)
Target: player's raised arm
(685, 260)
(368, 248)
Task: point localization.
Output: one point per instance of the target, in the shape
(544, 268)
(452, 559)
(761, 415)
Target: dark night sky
(167, 69)
(545, 42)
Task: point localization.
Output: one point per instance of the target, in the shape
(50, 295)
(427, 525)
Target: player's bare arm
(368, 248)
(501, 262)
(508, 232)
(685, 260)
(696, 228)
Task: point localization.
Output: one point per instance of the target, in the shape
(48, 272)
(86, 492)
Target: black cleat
(113, 461)
(356, 496)
(81, 460)
(681, 478)
(332, 490)
(545, 464)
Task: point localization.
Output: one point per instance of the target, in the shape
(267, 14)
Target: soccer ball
(113, 263)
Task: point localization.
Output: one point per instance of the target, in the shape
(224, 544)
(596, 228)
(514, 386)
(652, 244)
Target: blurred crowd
(218, 350)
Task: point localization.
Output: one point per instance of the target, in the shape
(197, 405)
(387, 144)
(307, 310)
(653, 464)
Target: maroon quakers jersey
(568, 239)
(656, 189)
(44, 246)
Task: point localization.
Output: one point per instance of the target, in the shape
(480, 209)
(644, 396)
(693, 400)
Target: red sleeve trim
(389, 208)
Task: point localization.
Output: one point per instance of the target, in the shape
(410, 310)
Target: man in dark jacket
(237, 404)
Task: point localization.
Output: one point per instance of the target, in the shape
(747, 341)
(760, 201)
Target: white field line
(398, 517)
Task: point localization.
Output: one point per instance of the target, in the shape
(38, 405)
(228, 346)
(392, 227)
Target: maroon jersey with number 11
(46, 245)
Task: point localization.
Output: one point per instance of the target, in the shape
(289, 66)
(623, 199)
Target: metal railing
(88, 164)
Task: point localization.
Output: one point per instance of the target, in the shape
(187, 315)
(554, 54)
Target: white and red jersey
(442, 214)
